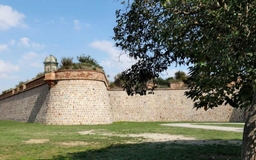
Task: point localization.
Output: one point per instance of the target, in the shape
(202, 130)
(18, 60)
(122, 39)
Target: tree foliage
(160, 82)
(215, 37)
(118, 81)
(180, 75)
(40, 74)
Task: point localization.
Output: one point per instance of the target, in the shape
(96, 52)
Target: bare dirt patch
(143, 137)
(37, 141)
(93, 131)
(74, 143)
(158, 137)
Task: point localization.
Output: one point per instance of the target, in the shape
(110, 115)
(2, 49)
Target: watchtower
(50, 64)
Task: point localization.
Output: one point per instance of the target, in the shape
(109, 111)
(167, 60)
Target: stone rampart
(70, 100)
(25, 87)
(78, 102)
(27, 106)
(167, 105)
(81, 97)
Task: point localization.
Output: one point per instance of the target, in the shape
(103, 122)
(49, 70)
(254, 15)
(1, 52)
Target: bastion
(62, 97)
(75, 97)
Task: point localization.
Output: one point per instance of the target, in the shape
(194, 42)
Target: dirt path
(210, 127)
(158, 137)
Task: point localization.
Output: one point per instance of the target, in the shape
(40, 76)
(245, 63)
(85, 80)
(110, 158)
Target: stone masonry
(82, 97)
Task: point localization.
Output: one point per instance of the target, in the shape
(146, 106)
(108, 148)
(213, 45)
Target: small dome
(50, 64)
(50, 59)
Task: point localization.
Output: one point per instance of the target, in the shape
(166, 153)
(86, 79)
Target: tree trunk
(249, 135)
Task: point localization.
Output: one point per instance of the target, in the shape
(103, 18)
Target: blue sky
(30, 30)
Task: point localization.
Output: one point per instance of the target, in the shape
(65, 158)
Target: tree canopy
(215, 38)
(160, 82)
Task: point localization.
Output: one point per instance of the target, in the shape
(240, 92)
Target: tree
(162, 83)
(215, 38)
(180, 75)
(118, 81)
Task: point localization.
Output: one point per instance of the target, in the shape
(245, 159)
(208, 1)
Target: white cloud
(87, 25)
(117, 61)
(117, 56)
(77, 24)
(25, 42)
(29, 56)
(50, 22)
(10, 18)
(3, 47)
(63, 20)
(12, 42)
(38, 20)
(37, 65)
(37, 45)
(7, 67)
(32, 59)
(5, 76)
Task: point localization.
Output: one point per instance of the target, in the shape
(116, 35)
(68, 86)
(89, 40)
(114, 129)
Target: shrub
(5, 91)
(39, 74)
(66, 63)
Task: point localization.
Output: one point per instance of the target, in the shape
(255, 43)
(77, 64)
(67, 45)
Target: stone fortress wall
(82, 97)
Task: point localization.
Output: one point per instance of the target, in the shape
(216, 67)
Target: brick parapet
(81, 75)
(58, 75)
(27, 86)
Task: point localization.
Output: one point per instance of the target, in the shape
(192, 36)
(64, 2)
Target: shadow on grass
(180, 150)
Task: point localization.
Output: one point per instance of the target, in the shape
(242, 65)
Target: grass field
(122, 140)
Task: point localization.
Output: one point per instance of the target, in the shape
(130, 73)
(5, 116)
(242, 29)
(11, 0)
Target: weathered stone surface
(78, 102)
(68, 103)
(86, 100)
(176, 85)
(166, 105)
(81, 74)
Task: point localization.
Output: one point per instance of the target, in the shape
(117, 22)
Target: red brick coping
(52, 79)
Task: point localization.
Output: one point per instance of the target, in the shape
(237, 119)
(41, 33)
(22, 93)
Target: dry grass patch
(37, 141)
(144, 137)
(158, 137)
(74, 143)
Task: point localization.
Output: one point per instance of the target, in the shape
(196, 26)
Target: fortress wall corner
(74, 102)
(75, 97)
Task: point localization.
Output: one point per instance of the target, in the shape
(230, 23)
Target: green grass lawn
(115, 141)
